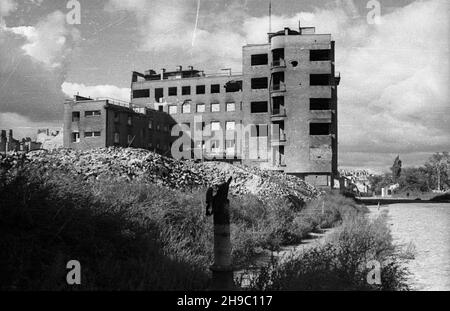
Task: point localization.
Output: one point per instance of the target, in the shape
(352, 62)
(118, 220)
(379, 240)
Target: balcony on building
(278, 84)
(278, 59)
(278, 108)
(278, 134)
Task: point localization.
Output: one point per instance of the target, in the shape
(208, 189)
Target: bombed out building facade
(280, 113)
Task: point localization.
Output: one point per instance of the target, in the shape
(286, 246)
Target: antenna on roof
(270, 16)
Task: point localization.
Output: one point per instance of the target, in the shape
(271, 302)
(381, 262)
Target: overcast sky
(394, 92)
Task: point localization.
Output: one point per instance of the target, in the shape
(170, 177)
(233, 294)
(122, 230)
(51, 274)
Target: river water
(427, 227)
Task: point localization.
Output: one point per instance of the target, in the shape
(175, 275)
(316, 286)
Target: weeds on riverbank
(131, 235)
(342, 263)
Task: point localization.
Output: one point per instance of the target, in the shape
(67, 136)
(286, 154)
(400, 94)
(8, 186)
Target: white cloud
(7, 7)
(50, 41)
(394, 94)
(169, 26)
(24, 126)
(32, 60)
(96, 91)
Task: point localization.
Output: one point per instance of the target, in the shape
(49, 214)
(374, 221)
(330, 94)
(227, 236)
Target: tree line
(432, 175)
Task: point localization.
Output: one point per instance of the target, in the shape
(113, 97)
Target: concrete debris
(146, 166)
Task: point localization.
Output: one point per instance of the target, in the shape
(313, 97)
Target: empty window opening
(172, 109)
(230, 125)
(258, 107)
(259, 83)
(187, 108)
(159, 93)
(260, 59)
(92, 134)
(201, 108)
(278, 132)
(75, 137)
(215, 107)
(231, 107)
(319, 129)
(215, 126)
(200, 89)
(75, 116)
(116, 138)
(320, 103)
(259, 130)
(233, 86)
(215, 146)
(278, 105)
(95, 113)
(215, 88)
(141, 93)
(278, 57)
(186, 90)
(116, 117)
(319, 55)
(173, 91)
(320, 79)
(278, 81)
(230, 145)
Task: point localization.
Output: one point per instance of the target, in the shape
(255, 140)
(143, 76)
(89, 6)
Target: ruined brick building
(285, 99)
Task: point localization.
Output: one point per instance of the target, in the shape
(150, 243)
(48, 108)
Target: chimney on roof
(163, 71)
(191, 68)
(179, 68)
(10, 136)
(286, 31)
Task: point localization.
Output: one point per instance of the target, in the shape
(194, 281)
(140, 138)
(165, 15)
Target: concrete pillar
(218, 205)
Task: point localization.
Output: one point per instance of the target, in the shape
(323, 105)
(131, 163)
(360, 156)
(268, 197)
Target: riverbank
(342, 262)
(384, 201)
(423, 232)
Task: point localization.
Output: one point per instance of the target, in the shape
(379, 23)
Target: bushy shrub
(46, 221)
(341, 263)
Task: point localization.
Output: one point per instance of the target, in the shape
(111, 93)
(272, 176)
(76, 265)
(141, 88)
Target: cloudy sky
(394, 93)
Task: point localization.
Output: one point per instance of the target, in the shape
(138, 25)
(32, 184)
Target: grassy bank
(134, 235)
(341, 263)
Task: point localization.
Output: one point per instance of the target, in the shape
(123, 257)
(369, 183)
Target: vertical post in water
(218, 205)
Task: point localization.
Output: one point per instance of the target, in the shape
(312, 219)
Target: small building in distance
(97, 123)
(9, 144)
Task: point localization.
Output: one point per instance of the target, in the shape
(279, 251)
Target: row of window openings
(256, 84)
(279, 108)
(186, 90)
(94, 113)
(215, 107)
(316, 129)
(76, 135)
(278, 83)
(278, 56)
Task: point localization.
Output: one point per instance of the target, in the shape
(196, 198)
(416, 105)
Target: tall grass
(341, 262)
(134, 235)
(45, 222)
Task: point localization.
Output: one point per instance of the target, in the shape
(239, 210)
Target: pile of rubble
(137, 164)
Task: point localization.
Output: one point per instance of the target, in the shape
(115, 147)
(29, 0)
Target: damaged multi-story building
(285, 99)
(9, 144)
